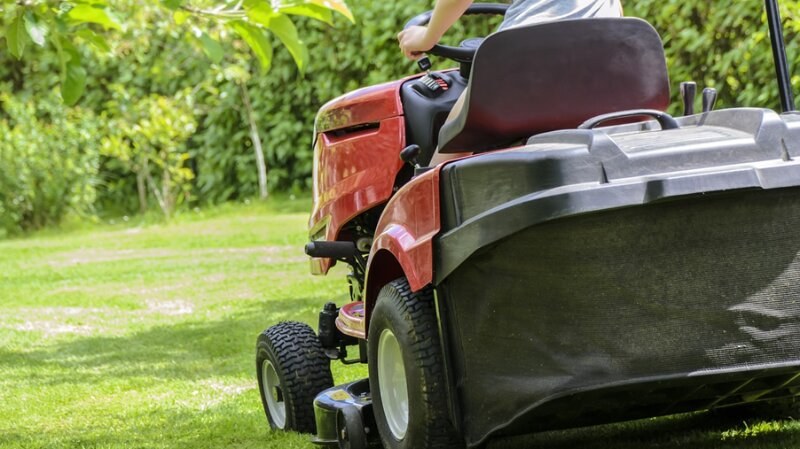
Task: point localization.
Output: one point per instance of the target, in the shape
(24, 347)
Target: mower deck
(344, 413)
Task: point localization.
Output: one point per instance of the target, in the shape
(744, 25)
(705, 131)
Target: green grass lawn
(142, 336)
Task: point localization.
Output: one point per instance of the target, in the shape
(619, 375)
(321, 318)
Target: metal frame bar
(779, 55)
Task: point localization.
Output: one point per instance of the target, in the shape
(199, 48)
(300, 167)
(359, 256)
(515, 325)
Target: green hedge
(723, 44)
(48, 163)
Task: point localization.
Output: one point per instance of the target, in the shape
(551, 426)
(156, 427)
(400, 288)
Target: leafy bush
(723, 45)
(146, 137)
(48, 162)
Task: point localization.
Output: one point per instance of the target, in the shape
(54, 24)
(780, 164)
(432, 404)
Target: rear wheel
(292, 369)
(407, 371)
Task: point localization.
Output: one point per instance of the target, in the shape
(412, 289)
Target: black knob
(424, 63)
(709, 99)
(409, 154)
(688, 94)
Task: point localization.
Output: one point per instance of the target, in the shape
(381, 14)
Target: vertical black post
(779, 54)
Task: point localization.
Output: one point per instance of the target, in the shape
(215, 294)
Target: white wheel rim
(273, 394)
(393, 386)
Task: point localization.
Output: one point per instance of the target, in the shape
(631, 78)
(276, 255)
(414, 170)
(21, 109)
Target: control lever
(425, 64)
(688, 94)
(410, 154)
(709, 99)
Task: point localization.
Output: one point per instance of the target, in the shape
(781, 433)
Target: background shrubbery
(49, 160)
(54, 159)
(724, 45)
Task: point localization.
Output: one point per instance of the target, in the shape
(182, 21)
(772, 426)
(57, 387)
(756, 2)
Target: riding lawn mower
(593, 259)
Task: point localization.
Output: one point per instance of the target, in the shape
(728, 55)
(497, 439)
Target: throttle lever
(709, 99)
(425, 64)
(688, 94)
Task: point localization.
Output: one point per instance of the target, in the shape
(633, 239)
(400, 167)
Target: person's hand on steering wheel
(423, 32)
(414, 42)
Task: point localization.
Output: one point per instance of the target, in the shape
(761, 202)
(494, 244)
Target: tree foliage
(145, 137)
(49, 162)
(724, 45)
(66, 24)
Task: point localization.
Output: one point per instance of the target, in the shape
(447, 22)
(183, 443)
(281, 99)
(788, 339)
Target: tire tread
(303, 367)
(419, 310)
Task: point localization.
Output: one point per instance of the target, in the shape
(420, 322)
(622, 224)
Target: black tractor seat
(556, 75)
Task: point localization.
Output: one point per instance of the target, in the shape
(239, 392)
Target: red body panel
(367, 105)
(354, 172)
(405, 232)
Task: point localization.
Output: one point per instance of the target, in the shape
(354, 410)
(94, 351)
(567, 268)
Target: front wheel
(292, 369)
(406, 371)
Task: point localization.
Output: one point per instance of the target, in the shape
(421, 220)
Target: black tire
(411, 320)
(293, 351)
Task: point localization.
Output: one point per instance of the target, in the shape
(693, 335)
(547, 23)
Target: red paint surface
(406, 231)
(367, 105)
(355, 172)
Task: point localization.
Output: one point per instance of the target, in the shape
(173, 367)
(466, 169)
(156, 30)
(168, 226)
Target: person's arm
(417, 39)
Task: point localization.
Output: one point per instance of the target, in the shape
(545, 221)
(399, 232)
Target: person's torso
(527, 12)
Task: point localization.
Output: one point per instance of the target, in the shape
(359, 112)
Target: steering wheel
(466, 52)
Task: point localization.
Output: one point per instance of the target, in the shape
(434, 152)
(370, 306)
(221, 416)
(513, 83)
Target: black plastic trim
(573, 172)
(665, 120)
(447, 343)
(644, 386)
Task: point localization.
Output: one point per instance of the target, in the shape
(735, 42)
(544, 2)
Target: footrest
(351, 320)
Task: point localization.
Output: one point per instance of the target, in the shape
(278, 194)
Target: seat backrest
(556, 75)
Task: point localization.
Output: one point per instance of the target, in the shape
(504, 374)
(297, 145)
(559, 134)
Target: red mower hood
(363, 106)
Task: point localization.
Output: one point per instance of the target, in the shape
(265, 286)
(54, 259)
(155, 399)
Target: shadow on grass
(188, 351)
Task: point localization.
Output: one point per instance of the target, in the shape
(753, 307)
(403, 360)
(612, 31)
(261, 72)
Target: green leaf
(257, 41)
(282, 26)
(15, 37)
(36, 29)
(180, 16)
(73, 77)
(309, 10)
(334, 5)
(172, 4)
(96, 40)
(74, 84)
(212, 48)
(93, 14)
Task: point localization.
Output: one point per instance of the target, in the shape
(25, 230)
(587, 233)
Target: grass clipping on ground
(143, 336)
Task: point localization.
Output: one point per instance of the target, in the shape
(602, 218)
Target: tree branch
(234, 13)
(256, 139)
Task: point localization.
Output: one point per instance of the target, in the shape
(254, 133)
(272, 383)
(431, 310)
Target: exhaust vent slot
(352, 131)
